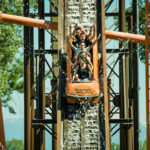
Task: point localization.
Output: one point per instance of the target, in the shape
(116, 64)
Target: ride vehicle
(86, 89)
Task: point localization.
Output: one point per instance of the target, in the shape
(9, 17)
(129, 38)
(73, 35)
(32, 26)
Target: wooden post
(107, 139)
(2, 132)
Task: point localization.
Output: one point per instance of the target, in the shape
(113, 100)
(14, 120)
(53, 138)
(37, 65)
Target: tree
(144, 145)
(11, 40)
(142, 28)
(15, 144)
(115, 146)
(141, 145)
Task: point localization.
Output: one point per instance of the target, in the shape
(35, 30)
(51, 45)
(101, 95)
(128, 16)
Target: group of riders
(82, 67)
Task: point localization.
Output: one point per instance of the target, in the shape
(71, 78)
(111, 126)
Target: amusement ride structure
(83, 114)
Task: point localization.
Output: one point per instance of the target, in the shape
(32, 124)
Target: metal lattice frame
(35, 122)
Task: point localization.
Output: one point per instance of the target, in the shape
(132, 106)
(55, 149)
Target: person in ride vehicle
(87, 39)
(80, 50)
(81, 36)
(86, 55)
(84, 68)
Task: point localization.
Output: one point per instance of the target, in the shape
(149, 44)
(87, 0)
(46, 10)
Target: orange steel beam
(26, 21)
(133, 38)
(2, 132)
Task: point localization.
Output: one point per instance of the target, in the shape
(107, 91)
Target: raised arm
(70, 28)
(90, 32)
(84, 31)
(94, 42)
(89, 61)
(72, 46)
(92, 36)
(74, 31)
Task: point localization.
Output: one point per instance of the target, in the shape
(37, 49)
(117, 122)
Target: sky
(18, 99)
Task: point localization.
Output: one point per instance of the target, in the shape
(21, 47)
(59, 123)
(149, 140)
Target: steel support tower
(37, 101)
(123, 101)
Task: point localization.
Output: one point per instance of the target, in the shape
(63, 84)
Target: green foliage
(142, 145)
(145, 145)
(15, 144)
(115, 146)
(15, 7)
(142, 29)
(11, 58)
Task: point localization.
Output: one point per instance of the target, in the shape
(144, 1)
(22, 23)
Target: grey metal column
(27, 88)
(101, 108)
(32, 82)
(123, 129)
(135, 77)
(130, 132)
(40, 110)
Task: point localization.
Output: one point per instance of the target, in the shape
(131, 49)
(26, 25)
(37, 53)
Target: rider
(84, 69)
(81, 50)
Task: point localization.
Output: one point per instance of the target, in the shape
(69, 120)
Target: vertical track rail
(147, 55)
(27, 83)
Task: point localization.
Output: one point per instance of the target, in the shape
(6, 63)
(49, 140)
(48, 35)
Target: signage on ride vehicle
(83, 91)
